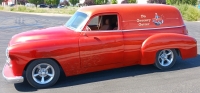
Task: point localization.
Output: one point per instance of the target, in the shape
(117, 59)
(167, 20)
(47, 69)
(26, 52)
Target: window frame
(102, 14)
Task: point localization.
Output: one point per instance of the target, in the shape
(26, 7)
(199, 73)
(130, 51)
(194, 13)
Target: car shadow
(112, 74)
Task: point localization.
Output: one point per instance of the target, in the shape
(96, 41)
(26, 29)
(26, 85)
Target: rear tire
(165, 59)
(42, 73)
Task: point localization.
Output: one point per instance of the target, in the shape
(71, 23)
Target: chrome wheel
(43, 73)
(165, 57)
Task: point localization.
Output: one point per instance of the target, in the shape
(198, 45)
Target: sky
(141, 1)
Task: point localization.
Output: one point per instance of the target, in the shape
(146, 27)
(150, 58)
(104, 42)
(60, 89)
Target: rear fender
(185, 44)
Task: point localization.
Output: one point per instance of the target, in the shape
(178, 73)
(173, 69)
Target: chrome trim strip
(156, 28)
(129, 21)
(96, 31)
(135, 29)
(149, 18)
(16, 79)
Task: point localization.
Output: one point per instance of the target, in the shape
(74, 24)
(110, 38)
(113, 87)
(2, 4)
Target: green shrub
(172, 2)
(30, 10)
(189, 12)
(192, 14)
(71, 12)
(68, 10)
(21, 8)
(41, 10)
(1, 7)
(12, 9)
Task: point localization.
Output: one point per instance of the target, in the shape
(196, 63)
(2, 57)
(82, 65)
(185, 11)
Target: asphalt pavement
(183, 77)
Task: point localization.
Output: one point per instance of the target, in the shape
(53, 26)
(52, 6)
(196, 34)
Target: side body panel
(185, 44)
(98, 48)
(134, 39)
(139, 24)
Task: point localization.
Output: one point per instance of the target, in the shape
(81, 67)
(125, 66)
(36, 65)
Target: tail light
(185, 31)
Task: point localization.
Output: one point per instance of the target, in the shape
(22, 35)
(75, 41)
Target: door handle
(84, 34)
(97, 39)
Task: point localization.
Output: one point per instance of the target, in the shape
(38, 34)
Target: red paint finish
(96, 47)
(154, 43)
(143, 30)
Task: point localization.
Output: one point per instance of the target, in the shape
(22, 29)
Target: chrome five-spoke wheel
(165, 58)
(42, 73)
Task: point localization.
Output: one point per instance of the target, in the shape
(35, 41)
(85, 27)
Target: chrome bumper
(12, 79)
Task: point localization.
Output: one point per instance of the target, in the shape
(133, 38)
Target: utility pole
(16, 2)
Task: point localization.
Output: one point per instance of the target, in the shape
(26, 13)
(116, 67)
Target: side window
(104, 22)
(94, 21)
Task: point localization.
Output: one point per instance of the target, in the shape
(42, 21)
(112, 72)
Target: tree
(131, 1)
(191, 2)
(36, 2)
(159, 1)
(105, 1)
(74, 2)
(21, 2)
(114, 1)
(65, 2)
(57, 2)
(99, 2)
(52, 2)
(49, 2)
(194, 2)
(124, 1)
(89, 2)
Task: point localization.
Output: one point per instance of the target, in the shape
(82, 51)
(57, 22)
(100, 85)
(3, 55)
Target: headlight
(8, 58)
(7, 53)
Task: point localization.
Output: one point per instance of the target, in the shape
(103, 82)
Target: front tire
(165, 58)
(42, 73)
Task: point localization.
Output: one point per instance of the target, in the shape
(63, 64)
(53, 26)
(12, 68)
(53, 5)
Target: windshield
(76, 20)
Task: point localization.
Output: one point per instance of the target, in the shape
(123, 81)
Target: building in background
(8, 2)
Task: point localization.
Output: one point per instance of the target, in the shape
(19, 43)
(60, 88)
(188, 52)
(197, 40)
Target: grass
(1, 7)
(189, 12)
(21, 8)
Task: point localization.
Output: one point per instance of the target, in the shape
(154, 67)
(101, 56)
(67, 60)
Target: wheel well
(178, 52)
(42, 58)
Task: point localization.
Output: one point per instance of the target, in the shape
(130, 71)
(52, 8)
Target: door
(101, 47)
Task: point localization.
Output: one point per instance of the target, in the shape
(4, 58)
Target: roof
(95, 9)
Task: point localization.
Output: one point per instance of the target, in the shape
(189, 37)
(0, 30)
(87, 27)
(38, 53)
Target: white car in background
(30, 5)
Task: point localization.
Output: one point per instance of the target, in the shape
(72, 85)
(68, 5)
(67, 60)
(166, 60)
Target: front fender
(64, 50)
(186, 45)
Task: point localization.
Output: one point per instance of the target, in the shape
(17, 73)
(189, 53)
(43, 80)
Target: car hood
(42, 34)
